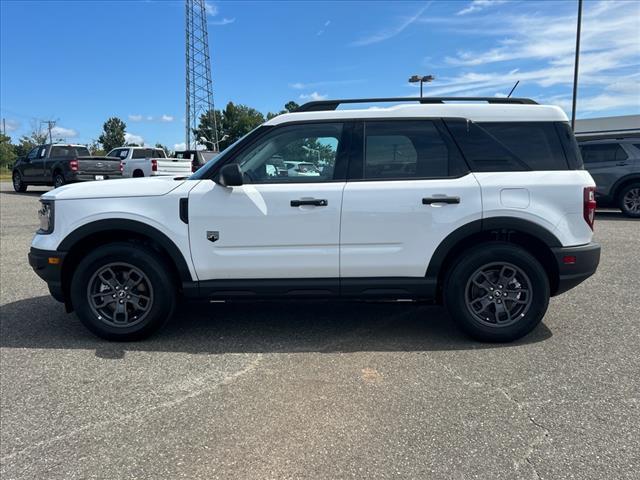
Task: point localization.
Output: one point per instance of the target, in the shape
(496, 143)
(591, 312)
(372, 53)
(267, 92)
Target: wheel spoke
(108, 277)
(502, 309)
(102, 299)
(482, 303)
(133, 280)
(504, 277)
(483, 282)
(140, 302)
(121, 315)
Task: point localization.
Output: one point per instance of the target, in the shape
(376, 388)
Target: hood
(129, 187)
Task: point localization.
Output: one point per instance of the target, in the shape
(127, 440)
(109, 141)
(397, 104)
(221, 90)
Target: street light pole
(422, 79)
(575, 67)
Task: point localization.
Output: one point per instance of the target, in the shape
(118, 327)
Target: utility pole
(50, 125)
(575, 67)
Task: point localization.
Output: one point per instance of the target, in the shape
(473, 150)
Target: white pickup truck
(149, 162)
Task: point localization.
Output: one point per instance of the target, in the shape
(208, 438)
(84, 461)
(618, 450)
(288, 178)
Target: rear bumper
(49, 272)
(575, 265)
(88, 177)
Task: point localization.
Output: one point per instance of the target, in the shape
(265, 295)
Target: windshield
(203, 172)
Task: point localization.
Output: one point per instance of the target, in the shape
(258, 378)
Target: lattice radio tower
(199, 97)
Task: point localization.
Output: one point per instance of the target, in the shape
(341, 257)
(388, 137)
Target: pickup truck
(198, 157)
(149, 162)
(57, 164)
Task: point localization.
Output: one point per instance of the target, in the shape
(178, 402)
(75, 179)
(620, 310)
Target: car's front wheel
(629, 200)
(18, 184)
(497, 292)
(122, 291)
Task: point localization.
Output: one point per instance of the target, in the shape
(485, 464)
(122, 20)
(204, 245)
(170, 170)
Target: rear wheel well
(616, 195)
(138, 173)
(79, 249)
(530, 243)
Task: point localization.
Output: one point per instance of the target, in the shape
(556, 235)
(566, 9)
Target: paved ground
(321, 390)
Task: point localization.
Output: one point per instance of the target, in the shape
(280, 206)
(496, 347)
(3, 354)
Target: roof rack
(321, 105)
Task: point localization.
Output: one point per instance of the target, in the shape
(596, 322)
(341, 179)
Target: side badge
(212, 236)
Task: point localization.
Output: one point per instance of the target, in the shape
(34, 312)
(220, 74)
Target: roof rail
(321, 105)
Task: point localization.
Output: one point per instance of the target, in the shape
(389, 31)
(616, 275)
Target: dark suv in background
(614, 164)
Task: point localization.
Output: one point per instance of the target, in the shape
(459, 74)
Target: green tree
(234, 122)
(112, 134)
(7, 153)
(165, 148)
(94, 149)
(289, 107)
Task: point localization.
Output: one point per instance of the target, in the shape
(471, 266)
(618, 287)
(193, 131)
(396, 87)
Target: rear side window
(535, 143)
(408, 149)
(514, 146)
(570, 145)
(141, 153)
(483, 151)
(604, 152)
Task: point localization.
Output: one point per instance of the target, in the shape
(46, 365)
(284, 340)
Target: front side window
(606, 152)
(293, 154)
(407, 149)
(33, 153)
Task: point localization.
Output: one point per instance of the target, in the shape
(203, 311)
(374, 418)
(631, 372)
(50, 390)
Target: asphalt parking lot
(321, 390)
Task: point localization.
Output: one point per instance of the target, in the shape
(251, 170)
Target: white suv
(481, 204)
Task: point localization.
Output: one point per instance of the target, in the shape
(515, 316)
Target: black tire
(138, 323)
(58, 180)
(629, 200)
(485, 261)
(18, 185)
(138, 174)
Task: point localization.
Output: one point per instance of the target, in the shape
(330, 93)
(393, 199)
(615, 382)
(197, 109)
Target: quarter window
(407, 149)
(606, 152)
(294, 154)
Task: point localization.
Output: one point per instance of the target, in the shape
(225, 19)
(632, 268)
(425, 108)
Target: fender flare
(616, 186)
(134, 226)
(491, 224)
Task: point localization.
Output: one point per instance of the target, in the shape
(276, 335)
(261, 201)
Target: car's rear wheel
(497, 292)
(18, 184)
(629, 200)
(121, 291)
(58, 180)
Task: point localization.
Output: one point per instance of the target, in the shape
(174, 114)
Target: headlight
(45, 215)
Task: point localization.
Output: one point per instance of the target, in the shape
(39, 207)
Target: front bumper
(575, 265)
(48, 270)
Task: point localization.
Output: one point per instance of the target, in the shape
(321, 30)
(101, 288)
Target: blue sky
(81, 62)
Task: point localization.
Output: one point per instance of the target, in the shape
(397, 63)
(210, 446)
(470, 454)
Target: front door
(284, 222)
(410, 189)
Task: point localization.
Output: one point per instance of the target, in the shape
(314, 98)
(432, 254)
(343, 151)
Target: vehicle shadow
(258, 327)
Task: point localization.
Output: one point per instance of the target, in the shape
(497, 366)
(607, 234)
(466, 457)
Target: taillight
(73, 165)
(154, 165)
(121, 167)
(589, 205)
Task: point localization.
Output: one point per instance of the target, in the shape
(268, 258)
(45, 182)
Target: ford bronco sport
(481, 204)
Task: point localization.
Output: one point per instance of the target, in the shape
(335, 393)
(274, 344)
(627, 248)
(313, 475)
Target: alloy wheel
(631, 200)
(498, 294)
(120, 295)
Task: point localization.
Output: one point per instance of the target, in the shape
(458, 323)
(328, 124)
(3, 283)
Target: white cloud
(312, 96)
(327, 23)
(390, 32)
(166, 118)
(61, 132)
(135, 118)
(211, 9)
(132, 138)
(149, 118)
(325, 83)
(11, 125)
(224, 21)
(539, 50)
(477, 5)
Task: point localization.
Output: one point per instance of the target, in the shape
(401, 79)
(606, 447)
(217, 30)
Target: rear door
(606, 162)
(408, 189)
(275, 226)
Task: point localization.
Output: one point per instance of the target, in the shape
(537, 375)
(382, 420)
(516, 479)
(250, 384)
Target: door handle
(448, 200)
(317, 202)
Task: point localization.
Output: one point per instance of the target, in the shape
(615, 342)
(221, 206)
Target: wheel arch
(623, 182)
(537, 240)
(102, 232)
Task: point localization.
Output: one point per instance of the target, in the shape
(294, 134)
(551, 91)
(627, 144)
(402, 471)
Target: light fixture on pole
(422, 79)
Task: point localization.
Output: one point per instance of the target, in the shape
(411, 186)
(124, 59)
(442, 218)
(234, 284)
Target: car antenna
(514, 87)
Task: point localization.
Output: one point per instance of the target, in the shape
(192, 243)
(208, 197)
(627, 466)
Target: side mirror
(230, 175)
